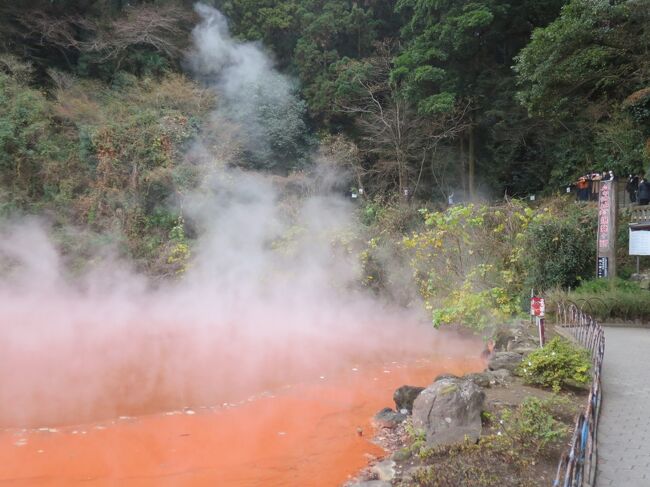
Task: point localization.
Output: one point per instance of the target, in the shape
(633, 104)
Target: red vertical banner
(604, 204)
(606, 236)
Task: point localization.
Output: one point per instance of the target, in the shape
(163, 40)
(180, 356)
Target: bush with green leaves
(472, 264)
(608, 300)
(561, 248)
(532, 425)
(557, 364)
(536, 428)
(467, 262)
(30, 146)
(598, 286)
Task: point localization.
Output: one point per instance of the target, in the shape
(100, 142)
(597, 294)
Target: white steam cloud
(269, 296)
(252, 93)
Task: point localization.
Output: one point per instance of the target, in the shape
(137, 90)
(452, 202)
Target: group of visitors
(588, 186)
(638, 188)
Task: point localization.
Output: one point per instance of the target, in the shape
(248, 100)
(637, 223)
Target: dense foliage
(609, 301)
(560, 252)
(467, 260)
(577, 99)
(533, 426)
(588, 72)
(108, 158)
(420, 101)
(474, 264)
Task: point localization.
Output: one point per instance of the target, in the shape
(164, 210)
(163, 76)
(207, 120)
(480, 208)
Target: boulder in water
(404, 397)
(387, 418)
(449, 411)
(445, 376)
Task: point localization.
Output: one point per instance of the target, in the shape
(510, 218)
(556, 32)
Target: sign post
(606, 263)
(537, 309)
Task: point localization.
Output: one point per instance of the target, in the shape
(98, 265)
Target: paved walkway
(624, 431)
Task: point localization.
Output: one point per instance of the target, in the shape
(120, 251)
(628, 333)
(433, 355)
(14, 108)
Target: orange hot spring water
(267, 432)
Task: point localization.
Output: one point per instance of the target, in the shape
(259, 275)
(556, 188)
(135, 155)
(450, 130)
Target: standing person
(632, 186)
(583, 189)
(595, 186)
(644, 192)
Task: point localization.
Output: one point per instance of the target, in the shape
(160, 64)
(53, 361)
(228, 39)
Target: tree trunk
(463, 174)
(401, 179)
(471, 161)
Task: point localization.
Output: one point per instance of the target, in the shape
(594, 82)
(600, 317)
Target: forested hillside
(424, 98)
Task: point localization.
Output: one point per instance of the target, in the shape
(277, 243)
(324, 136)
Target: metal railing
(577, 467)
(639, 215)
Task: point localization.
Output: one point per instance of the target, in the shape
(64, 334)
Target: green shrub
(467, 262)
(532, 425)
(30, 148)
(615, 304)
(478, 309)
(520, 436)
(596, 286)
(392, 218)
(625, 300)
(556, 364)
(561, 248)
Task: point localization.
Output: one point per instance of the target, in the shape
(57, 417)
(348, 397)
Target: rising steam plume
(262, 102)
(269, 297)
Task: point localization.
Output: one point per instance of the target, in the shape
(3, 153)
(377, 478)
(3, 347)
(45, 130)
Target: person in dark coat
(632, 187)
(643, 195)
(595, 185)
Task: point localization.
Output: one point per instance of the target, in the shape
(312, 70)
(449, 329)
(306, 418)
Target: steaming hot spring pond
(303, 432)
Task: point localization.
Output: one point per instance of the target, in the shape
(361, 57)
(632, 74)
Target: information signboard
(602, 266)
(639, 240)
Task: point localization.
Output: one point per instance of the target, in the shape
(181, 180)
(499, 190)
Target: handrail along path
(577, 467)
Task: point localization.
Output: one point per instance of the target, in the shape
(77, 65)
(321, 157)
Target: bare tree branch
(401, 139)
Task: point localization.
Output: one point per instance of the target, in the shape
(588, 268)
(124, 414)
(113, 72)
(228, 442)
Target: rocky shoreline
(451, 411)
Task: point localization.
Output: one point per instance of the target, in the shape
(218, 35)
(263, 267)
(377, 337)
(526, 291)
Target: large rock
(448, 411)
(500, 376)
(402, 454)
(387, 418)
(490, 378)
(479, 378)
(404, 397)
(384, 470)
(505, 360)
(445, 376)
(642, 279)
(523, 346)
(502, 338)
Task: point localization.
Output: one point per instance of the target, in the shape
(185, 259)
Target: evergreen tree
(461, 52)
